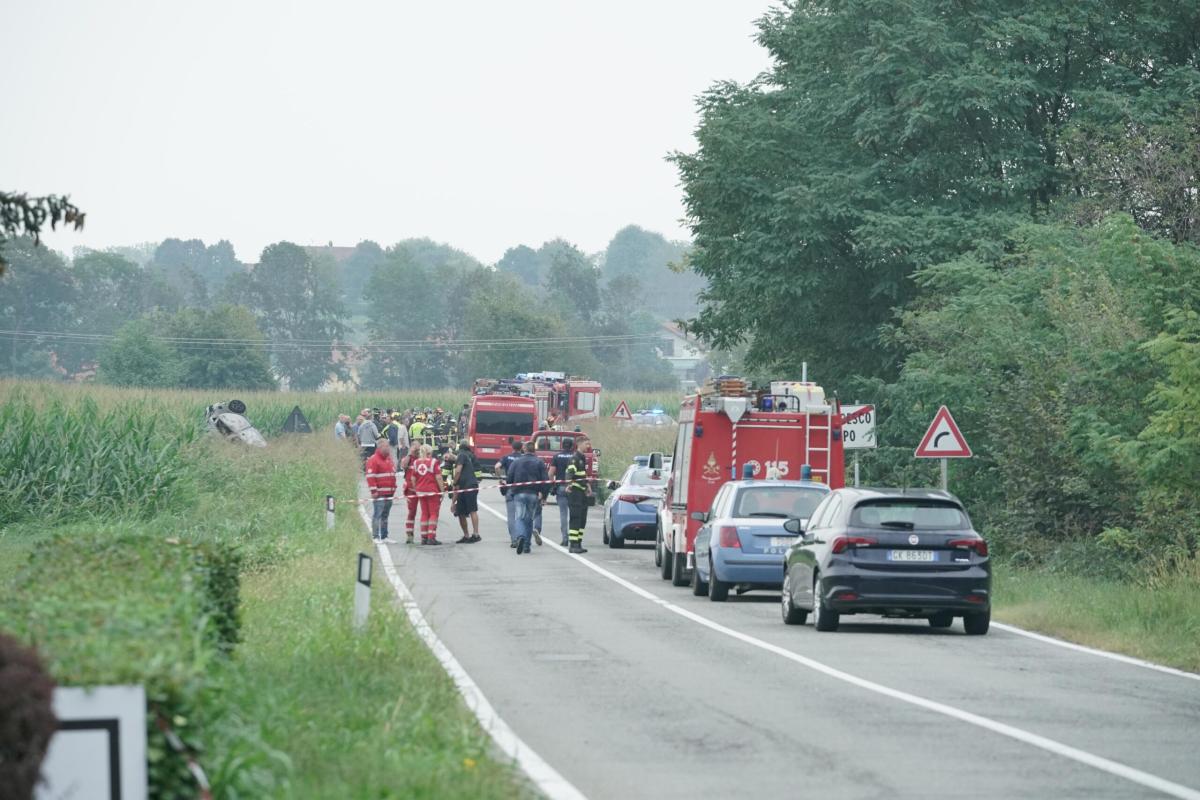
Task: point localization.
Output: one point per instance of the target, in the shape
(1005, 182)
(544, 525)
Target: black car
(893, 552)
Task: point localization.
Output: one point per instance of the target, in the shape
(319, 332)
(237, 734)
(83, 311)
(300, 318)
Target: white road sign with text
(859, 431)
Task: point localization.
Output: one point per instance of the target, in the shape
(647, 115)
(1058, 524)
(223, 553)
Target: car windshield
(908, 514)
(504, 423)
(783, 502)
(645, 477)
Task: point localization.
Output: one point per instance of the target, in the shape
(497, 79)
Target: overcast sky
(480, 124)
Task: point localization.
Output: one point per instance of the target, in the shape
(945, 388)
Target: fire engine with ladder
(560, 398)
(787, 430)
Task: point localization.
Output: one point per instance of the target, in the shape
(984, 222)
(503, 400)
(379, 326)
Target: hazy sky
(481, 124)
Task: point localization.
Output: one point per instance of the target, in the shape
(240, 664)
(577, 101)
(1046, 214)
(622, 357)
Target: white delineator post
(329, 518)
(362, 591)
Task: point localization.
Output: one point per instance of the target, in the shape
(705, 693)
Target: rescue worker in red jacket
(381, 480)
(410, 492)
(428, 485)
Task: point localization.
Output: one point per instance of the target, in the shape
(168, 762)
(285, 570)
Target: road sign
(943, 439)
(100, 747)
(296, 422)
(858, 427)
(622, 412)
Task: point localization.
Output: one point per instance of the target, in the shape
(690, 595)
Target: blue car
(742, 543)
(631, 511)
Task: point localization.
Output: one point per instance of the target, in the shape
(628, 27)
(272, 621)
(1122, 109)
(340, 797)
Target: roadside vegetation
(230, 602)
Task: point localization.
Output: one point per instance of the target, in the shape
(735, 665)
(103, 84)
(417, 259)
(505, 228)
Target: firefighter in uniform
(416, 431)
(577, 497)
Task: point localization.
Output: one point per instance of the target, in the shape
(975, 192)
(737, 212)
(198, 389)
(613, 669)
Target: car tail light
(727, 536)
(845, 596)
(978, 545)
(843, 543)
(634, 498)
(976, 598)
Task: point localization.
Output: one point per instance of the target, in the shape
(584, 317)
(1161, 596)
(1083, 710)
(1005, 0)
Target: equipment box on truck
(728, 427)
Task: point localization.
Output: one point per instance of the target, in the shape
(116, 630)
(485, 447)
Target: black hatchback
(892, 552)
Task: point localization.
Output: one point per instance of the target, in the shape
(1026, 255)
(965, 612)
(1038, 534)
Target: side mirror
(612, 485)
(656, 461)
(700, 516)
(596, 452)
(793, 526)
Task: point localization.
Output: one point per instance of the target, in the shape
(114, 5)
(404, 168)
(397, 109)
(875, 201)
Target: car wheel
(977, 624)
(616, 542)
(824, 619)
(791, 614)
(718, 590)
(679, 570)
(699, 587)
(668, 561)
(942, 619)
(658, 544)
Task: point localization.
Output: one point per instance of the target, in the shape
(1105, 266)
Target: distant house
(340, 254)
(685, 354)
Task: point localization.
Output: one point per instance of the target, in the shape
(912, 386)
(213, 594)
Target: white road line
(1049, 745)
(547, 779)
(1136, 662)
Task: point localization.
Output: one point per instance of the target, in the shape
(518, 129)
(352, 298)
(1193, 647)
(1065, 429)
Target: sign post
(945, 441)
(622, 412)
(362, 591)
(329, 518)
(858, 430)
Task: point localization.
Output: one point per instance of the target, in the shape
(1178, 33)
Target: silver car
(227, 419)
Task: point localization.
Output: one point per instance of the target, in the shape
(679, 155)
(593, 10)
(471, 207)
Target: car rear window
(908, 514)
(645, 477)
(783, 502)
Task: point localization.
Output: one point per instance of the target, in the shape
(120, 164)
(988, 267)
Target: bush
(139, 610)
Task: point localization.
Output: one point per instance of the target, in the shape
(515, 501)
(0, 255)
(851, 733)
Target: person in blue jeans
(502, 467)
(558, 473)
(530, 473)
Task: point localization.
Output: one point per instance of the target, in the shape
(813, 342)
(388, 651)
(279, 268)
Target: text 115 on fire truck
(785, 431)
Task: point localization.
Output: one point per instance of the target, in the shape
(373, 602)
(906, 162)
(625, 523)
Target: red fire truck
(493, 419)
(563, 398)
(785, 431)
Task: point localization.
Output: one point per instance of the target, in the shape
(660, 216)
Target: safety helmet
(420, 417)
(395, 415)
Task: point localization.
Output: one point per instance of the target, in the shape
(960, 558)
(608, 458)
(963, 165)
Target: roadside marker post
(362, 591)
(945, 441)
(329, 518)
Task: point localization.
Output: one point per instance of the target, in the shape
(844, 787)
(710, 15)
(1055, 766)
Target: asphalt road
(670, 695)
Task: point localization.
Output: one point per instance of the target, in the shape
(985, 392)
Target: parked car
(631, 510)
(894, 552)
(743, 539)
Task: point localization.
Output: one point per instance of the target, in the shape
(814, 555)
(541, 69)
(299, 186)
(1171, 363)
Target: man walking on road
(503, 466)
(381, 479)
(528, 479)
(558, 473)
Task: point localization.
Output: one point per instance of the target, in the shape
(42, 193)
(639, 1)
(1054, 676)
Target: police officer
(577, 498)
(558, 473)
(502, 468)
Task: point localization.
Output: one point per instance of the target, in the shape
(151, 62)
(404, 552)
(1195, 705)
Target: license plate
(781, 541)
(912, 555)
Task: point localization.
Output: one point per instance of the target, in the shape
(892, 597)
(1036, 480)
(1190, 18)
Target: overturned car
(227, 419)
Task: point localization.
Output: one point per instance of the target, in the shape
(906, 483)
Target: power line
(104, 337)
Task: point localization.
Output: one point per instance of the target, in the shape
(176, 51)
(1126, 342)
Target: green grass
(1157, 620)
(619, 444)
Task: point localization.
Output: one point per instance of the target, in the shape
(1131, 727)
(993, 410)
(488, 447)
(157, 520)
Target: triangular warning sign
(622, 412)
(296, 423)
(943, 439)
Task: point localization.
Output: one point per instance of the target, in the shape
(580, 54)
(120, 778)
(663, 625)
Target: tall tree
(522, 261)
(890, 136)
(670, 288)
(356, 271)
(38, 296)
(571, 280)
(298, 305)
(25, 216)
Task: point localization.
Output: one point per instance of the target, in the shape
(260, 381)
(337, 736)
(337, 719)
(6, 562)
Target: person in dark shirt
(466, 482)
(502, 468)
(558, 473)
(529, 480)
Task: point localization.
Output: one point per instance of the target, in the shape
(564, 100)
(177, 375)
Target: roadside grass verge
(619, 444)
(301, 706)
(1157, 620)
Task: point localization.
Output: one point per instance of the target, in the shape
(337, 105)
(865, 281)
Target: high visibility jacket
(381, 474)
(577, 476)
(416, 431)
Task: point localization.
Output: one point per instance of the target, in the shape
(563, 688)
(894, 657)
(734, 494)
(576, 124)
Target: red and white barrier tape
(547, 482)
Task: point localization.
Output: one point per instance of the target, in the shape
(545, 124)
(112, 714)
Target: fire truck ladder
(808, 445)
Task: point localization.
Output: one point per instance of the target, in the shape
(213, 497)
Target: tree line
(989, 205)
(417, 314)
